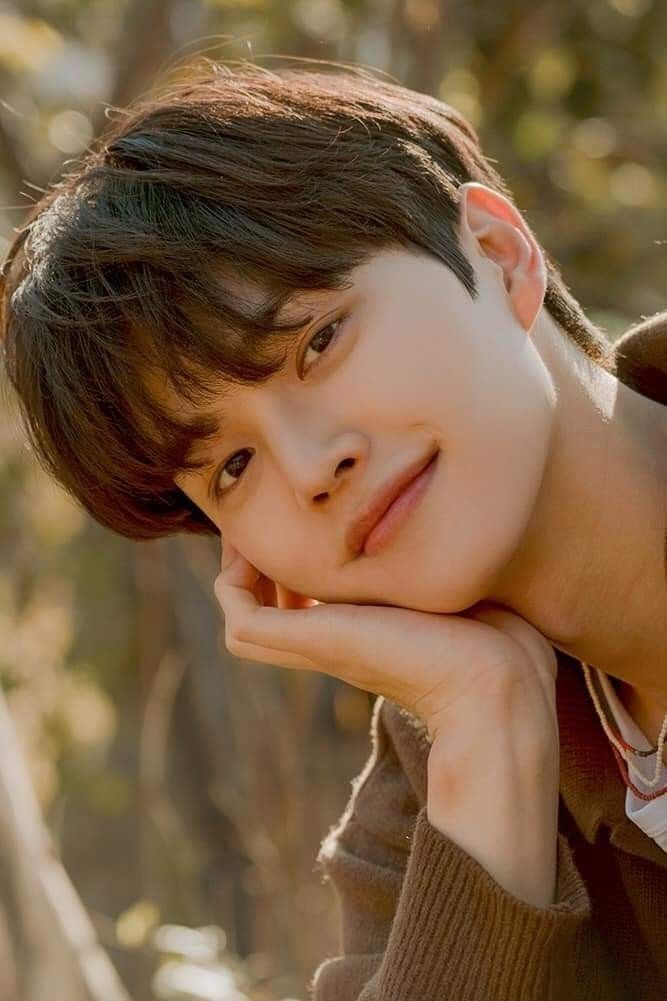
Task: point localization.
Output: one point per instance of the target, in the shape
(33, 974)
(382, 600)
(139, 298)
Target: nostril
(344, 464)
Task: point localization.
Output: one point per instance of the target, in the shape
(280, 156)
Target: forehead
(260, 301)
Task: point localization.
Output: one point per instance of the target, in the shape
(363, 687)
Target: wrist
(511, 832)
(532, 880)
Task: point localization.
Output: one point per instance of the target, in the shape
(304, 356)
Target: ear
(491, 226)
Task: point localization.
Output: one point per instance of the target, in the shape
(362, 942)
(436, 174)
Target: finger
(228, 555)
(291, 599)
(240, 572)
(251, 651)
(331, 638)
(264, 588)
(283, 629)
(363, 645)
(236, 591)
(267, 591)
(273, 640)
(283, 641)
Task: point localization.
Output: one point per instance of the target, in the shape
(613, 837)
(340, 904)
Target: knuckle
(239, 633)
(242, 632)
(503, 678)
(505, 658)
(510, 678)
(233, 641)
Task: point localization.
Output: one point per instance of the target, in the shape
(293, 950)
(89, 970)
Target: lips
(368, 517)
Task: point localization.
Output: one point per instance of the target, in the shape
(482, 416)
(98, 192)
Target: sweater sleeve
(422, 920)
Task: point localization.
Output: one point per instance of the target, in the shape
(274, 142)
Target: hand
(483, 682)
(434, 665)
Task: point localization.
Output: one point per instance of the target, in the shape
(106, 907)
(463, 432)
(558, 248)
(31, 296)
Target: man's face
(413, 365)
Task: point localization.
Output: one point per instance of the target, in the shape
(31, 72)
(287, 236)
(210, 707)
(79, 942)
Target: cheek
(275, 556)
(495, 455)
(432, 377)
(497, 470)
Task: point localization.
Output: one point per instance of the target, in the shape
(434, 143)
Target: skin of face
(415, 365)
(548, 493)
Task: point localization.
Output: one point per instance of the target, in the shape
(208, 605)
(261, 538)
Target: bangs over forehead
(233, 332)
(131, 352)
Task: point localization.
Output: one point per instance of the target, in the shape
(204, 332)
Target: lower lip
(399, 510)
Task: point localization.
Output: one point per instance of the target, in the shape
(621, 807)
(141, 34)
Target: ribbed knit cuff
(458, 934)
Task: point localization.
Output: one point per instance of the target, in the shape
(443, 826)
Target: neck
(590, 570)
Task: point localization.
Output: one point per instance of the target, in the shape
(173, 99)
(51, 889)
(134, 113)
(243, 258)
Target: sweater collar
(591, 786)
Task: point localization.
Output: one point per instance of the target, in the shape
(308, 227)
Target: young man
(300, 310)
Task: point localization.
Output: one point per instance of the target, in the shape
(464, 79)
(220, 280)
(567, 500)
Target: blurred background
(185, 792)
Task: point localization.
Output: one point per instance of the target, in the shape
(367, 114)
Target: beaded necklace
(621, 748)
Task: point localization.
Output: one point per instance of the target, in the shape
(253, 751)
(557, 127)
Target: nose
(317, 472)
(344, 464)
(315, 458)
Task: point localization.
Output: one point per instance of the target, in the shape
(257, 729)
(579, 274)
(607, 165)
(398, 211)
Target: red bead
(623, 768)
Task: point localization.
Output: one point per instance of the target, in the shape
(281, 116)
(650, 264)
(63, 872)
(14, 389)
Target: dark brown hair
(287, 178)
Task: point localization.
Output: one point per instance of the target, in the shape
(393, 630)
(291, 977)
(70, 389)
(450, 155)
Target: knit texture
(422, 920)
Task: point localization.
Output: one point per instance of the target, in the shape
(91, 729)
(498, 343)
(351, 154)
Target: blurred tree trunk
(12, 167)
(47, 943)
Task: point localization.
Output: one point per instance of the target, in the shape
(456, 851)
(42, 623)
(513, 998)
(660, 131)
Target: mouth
(389, 509)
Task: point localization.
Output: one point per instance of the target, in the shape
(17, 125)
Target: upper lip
(369, 515)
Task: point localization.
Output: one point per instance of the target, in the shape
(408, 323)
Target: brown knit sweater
(422, 920)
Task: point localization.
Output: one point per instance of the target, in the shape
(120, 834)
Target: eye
(231, 464)
(320, 341)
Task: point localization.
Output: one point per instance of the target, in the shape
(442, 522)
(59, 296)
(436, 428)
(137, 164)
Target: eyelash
(217, 492)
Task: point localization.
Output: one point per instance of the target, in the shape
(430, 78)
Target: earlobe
(493, 228)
